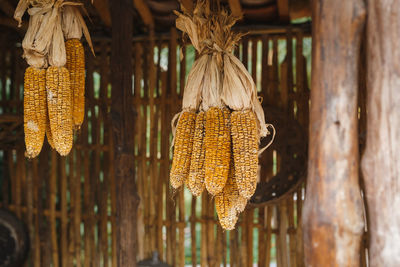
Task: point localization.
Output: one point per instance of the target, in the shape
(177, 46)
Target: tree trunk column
(333, 211)
(123, 117)
(381, 160)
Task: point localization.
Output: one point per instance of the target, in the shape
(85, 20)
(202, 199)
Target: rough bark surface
(123, 121)
(332, 216)
(381, 160)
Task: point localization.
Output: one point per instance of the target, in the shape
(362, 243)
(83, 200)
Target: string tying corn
(183, 147)
(218, 149)
(35, 110)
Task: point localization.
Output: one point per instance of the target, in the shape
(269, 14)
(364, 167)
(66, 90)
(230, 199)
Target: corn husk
(73, 24)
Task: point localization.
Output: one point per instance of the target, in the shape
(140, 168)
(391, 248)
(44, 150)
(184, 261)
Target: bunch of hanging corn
(218, 150)
(48, 93)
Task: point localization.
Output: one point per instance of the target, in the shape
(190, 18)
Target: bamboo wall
(69, 202)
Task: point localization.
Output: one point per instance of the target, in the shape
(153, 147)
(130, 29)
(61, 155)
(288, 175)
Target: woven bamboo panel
(69, 203)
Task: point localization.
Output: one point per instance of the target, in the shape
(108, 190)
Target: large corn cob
(245, 151)
(229, 203)
(60, 108)
(197, 172)
(76, 67)
(35, 110)
(218, 149)
(182, 148)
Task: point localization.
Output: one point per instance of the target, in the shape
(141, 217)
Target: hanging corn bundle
(73, 26)
(188, 123)
(47, 90)
(36, 45)
(59, 94)
(230, 121)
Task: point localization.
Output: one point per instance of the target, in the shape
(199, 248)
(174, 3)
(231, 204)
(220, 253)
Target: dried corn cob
(197, 172)
(182, 148)
(35, 110)
(76, 67)
(245, 151)
(229, 203)
(218, 149)
(60, 108)
(48, 131)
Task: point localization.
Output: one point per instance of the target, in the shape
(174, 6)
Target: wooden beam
(11, 23)
(381, 160)
(333, 210)
(236, 8)
(102, 8)
(188, 4)
(123, 118)
(299, 8)
(144, 12)
(283, 10)
(7, 8)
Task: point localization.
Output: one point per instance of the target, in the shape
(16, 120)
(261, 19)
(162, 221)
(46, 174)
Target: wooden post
(332, 215)
(123, 117)
(381, 160)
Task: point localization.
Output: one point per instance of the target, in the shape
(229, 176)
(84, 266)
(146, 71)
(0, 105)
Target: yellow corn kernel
(35, 110)
(197, 172)
(245, 151)
(218, 149)
(76, 67)
(60, 108)
(182, 148)
(229, 203)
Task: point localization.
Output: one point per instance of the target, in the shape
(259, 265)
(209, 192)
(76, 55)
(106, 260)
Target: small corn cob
(229, 203)
(197, 172)
(245, 151)
(218, 149)
(76, 67)
(182, 148)
(60, 108)
(35, 110)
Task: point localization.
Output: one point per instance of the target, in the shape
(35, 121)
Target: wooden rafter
(188, 4)
(236, 8)
(102, 8)
(11, 23)
(283, 10)
(7, 8)
(144, 12)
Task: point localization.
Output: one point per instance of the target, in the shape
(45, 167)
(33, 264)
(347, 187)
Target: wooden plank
(64, 215)
(52, 207)
(236, 8)
(144, 12)
(381, 160)
(333, 203)
(123, 118)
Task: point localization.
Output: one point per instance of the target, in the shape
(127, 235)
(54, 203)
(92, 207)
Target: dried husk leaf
(73, 24)
(57, 54)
